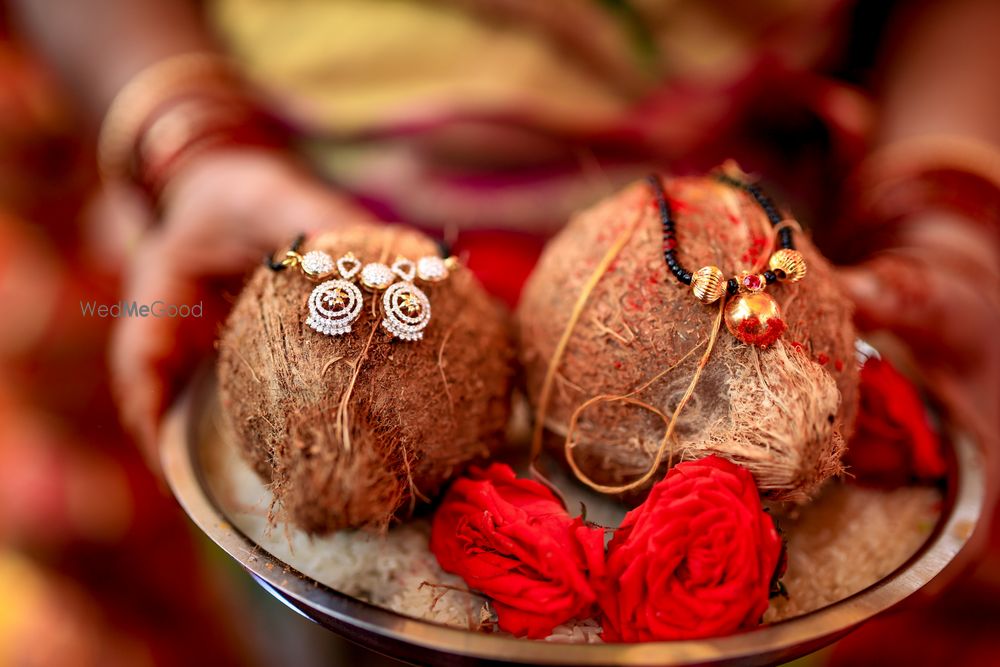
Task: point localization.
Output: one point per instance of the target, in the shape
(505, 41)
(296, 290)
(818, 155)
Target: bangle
(189, 127)
(952, 172)
(174, 110)
(147, 91)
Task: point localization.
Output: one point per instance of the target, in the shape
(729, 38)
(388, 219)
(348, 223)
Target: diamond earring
(334, 304)
(407, 308)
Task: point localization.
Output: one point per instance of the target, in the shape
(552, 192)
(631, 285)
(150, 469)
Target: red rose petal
(695, 560)
(893, 442)
(512, 540)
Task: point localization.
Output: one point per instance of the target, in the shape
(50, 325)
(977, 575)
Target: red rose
(893, 442)
(695, 560)
(512, 540)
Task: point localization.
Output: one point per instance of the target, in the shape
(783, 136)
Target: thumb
(874, 287)
(937, 317)
(862, 287)
(313, 210)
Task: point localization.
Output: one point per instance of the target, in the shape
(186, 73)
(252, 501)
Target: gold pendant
(755, 319)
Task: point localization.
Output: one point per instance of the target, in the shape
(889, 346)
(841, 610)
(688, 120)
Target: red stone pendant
(755, 319)
(754, 282)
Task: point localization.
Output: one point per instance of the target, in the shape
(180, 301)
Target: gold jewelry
(708, 284)
(335, 303)
(752, 316)
(407, 308)
(789, 262)
(145, 92)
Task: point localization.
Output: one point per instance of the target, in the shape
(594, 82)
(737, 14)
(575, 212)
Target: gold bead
(708, 284)
(790, 263)
(755, 319)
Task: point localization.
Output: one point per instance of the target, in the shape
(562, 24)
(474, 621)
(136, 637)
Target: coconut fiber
(783, 412)
(352, 430)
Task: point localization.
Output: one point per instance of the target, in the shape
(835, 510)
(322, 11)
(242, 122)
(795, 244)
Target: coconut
(351, 431)
(783, 412)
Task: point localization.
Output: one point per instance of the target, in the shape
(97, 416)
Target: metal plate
(424, 642)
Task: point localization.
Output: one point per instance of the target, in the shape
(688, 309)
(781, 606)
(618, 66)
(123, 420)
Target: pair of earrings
(336, 302)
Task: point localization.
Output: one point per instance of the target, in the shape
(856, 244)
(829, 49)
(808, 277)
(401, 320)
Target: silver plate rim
(396, 635)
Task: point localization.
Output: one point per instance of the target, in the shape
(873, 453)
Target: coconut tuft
(351, 431)
(782, 412)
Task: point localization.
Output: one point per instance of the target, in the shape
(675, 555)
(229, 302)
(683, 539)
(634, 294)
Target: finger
(149, 352)
(274, 201)
(880, 292)
(901, 294)
(311, 210)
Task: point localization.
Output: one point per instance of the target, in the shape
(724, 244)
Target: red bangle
(193, 125)
(175, 109)
(925, 173)
(146, 92)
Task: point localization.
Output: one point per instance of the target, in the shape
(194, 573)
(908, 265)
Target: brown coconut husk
(782, 412)
(352, 430)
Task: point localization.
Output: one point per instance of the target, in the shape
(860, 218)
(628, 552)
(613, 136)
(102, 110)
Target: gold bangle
(930, 152)
(144, 93)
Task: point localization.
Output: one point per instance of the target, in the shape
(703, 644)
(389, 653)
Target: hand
(225, 211)
(939, 291)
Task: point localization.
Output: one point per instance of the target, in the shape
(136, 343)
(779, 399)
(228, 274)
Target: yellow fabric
(353, 64)
(522, 95)
(24, 589)
(710, 41)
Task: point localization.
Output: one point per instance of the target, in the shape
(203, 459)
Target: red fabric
(502, 260)
(893, 442)
(959, 628)
(696, 559)
(512, 540)
(78, 501)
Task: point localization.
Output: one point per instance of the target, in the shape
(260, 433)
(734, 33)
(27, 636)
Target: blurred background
(224, 127)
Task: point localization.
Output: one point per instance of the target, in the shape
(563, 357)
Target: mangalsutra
(752, 315)
(336, 302)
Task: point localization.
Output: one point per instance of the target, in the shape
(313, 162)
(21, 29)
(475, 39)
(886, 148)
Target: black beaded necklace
(751, 315)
